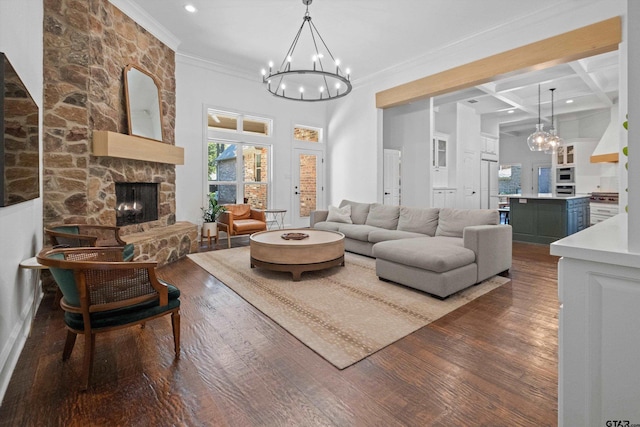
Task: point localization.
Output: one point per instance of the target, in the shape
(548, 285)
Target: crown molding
(145, 20)
(217, 67)
(485, 36)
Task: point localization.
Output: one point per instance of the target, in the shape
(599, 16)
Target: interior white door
(471, 180)
(489, 184)
(308, 185)
(484, 184)
(494, 186)
(391, 178)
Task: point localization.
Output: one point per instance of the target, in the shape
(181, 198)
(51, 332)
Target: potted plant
(210, 215)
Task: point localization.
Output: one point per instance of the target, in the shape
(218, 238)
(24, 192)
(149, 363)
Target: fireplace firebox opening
(136, 202)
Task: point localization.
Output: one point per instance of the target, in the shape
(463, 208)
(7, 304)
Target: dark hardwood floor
(493, 362)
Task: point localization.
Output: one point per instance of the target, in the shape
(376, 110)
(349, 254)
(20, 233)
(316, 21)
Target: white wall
(407, 128)
(354, 124)
(21, 224)
(354, 157)
(200, 85)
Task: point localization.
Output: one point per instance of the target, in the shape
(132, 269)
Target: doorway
(470, 179)
(488, 184)
(308, 185)
(541, 178)
(391, 178)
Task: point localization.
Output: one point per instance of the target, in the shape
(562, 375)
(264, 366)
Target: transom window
(307, 133)
(238, 123)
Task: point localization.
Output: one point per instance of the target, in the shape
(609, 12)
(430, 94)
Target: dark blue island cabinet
(545, 219)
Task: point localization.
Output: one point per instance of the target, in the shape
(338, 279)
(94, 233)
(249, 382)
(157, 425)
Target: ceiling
(590, 84)
(371, 36)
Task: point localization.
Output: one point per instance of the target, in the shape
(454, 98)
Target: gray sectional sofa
(439, 251)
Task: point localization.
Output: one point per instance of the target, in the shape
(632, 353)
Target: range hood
(609, 146)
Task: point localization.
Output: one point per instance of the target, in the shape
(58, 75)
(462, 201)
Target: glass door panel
(307, 189)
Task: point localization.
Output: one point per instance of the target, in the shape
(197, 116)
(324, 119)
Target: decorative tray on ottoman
(294, 236)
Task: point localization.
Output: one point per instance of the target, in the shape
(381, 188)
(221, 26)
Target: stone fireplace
(87, 45)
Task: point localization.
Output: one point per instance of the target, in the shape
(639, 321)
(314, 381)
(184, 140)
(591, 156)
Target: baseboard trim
(13, 348)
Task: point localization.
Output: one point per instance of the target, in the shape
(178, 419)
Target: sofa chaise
(439, 251)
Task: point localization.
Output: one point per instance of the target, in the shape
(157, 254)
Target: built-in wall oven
(565, 190)
(565, 175)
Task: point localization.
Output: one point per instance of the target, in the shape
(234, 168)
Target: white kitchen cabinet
(439, 160)
(489, 145)
(599, 320)
(444, 197)
(565, 155)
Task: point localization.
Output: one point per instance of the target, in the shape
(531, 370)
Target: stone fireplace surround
(87, 44)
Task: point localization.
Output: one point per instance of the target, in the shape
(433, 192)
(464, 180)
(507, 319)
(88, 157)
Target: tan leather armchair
(241, 219)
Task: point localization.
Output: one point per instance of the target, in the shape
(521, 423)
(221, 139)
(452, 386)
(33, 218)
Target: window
(238, 169)
(232, 122)
(225, 166)
(509, 179)
(256, 125)
(222, 121)
(307, 134)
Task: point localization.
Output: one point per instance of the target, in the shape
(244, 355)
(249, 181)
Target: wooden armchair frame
(88, 235)
(103, 293)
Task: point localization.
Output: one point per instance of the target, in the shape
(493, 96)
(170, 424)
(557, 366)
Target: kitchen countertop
(547, 196)
(605, 242)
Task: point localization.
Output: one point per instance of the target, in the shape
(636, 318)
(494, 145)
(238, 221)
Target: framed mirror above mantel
(144, 110)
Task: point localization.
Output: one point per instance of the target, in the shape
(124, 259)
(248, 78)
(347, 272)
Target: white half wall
(20, 225)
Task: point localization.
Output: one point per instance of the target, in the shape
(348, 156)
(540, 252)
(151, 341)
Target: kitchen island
(543, 218)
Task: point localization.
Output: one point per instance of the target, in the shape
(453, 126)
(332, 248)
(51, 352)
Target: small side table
(33, 264)
(275, 218)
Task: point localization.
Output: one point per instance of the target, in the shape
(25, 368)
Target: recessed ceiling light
(510, 111)
(191, 8)
(569, 101)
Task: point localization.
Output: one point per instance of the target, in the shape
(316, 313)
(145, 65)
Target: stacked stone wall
(87, 45)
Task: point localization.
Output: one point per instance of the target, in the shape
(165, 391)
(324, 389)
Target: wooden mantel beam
(114, 144)
(601, 37)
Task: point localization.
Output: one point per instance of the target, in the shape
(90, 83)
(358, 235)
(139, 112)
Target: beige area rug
(344, 313)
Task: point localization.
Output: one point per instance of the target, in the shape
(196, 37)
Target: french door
(308, 185)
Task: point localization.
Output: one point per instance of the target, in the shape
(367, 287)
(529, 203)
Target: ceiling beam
(601, 37)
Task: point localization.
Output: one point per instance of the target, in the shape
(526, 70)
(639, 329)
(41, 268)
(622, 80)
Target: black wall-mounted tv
(19, 155)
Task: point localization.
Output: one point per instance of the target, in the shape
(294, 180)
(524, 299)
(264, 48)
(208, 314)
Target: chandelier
(318, 76)
(553, 140)
(537, 141)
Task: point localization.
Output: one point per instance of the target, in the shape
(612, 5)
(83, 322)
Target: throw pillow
(383, 216)
(359, 211)
(340, 214)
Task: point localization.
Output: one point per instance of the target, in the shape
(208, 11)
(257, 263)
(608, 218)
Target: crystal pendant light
(553, 141)
(537, 141)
